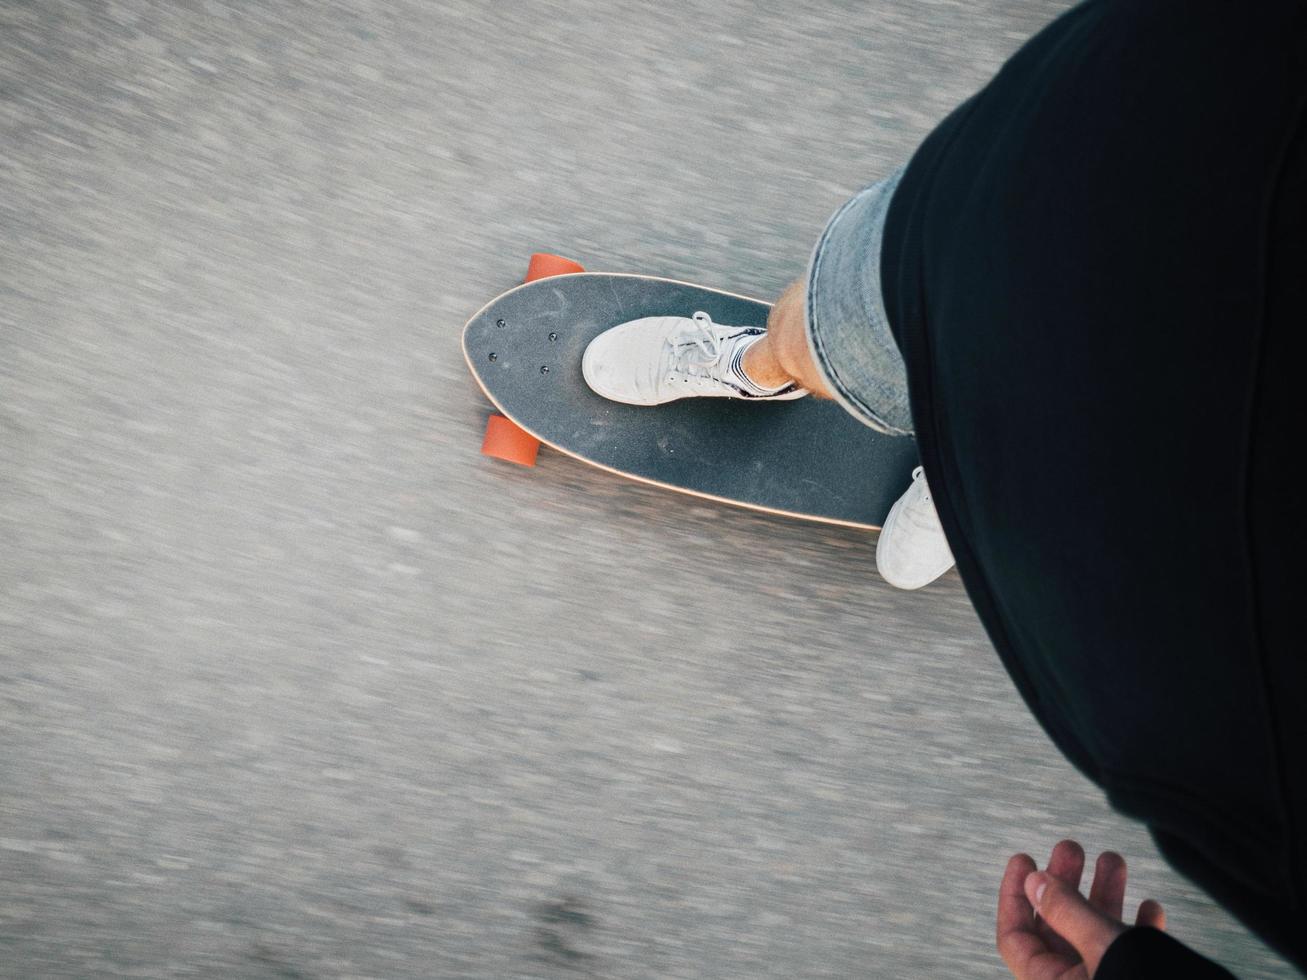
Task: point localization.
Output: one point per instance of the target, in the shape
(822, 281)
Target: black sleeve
(1149, 954)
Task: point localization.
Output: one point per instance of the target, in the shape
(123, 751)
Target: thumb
(1068, 914)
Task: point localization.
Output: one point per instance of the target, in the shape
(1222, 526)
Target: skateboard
(805, 458)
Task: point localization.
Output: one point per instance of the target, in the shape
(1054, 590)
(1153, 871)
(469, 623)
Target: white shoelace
(700, 337)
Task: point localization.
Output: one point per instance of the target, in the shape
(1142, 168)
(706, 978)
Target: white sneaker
(662, 358)
(912, 551)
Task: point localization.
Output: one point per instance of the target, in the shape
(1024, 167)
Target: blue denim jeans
(848, 330)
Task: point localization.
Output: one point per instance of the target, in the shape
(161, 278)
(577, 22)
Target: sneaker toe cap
(619, 365)
(911, 556)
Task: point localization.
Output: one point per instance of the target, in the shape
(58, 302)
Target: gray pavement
(296, 684)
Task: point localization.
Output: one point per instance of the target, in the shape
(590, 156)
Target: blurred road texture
(295, 683)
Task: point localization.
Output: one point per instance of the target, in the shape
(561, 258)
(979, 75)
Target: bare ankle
(762, 367)
(787, 343)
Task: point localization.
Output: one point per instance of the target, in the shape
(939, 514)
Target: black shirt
(1094, 269)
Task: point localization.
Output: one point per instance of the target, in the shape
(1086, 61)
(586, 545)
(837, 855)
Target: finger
(1067, 862)
(1014, 909)
(1016, 940)
(1151, 914)
(1068, 914)
(1023, 949)
(1107, 893)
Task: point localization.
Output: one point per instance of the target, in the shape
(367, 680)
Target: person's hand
(1046, 928)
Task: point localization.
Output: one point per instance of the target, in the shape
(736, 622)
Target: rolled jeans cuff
(844, 314)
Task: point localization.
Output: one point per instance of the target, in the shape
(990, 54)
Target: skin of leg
(782, 355)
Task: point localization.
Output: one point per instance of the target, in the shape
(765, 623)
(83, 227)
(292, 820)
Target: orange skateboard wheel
(507, 441)
(543, 265)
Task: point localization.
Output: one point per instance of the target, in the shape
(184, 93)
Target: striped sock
(745, 382)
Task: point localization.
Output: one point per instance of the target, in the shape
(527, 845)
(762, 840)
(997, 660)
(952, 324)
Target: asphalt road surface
(297, 684)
